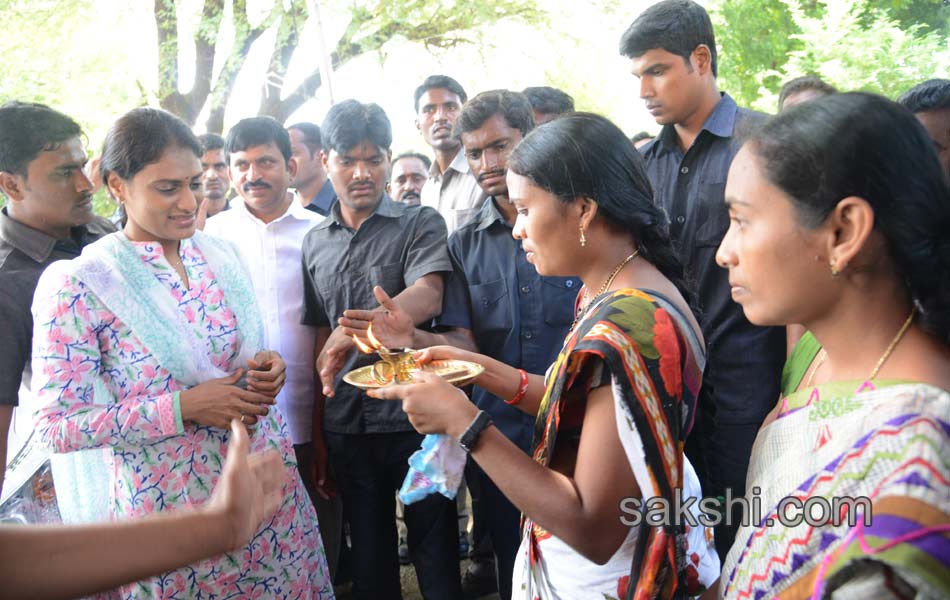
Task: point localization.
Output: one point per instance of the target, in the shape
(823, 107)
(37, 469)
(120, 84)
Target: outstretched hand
(392, 326)
(249, 490)
(432, 405)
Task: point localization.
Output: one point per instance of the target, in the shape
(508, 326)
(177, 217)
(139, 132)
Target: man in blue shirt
(314, 190)
(672, 51)
(495, 302)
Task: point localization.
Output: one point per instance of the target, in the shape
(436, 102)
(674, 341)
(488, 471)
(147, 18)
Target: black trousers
(370, 468)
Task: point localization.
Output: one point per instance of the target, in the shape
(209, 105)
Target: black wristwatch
(471, 435)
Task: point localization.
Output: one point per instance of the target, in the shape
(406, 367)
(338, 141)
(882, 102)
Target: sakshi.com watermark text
(745, 511)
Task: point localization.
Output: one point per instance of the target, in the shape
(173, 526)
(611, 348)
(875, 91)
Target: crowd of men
(325, 214)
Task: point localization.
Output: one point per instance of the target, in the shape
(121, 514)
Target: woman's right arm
(498, 378)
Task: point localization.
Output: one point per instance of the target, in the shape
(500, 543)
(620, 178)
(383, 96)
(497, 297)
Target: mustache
(489, 174)
(256, 184)
(411, 194)
(357, 184)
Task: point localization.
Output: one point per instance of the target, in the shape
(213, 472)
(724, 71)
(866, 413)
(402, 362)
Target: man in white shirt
(268, 227)
(451, 188)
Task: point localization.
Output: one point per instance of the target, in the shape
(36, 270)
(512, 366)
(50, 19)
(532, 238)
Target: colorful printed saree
(636, 342)
(879, 453)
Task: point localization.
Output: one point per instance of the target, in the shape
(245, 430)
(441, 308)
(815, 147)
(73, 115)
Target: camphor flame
(372, 338)
(374, 344)
(363, 347)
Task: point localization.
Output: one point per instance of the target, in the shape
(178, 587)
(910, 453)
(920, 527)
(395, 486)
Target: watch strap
(468, 439)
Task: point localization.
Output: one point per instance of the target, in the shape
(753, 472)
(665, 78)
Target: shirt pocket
(559, 295)
(490, 303)
(389, 277)
(464, 215)
(712, 215)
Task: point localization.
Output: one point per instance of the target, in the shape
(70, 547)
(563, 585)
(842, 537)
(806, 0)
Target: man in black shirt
(48, 217)
(495, 302)
(313, 190)
(365, 241)
(672, 50)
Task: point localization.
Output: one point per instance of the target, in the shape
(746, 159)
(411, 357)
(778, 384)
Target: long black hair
(863, 145)
(583, 154)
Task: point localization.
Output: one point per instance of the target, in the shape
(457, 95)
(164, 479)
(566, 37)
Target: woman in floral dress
(148, 345)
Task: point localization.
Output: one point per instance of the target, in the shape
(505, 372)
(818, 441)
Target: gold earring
(583, 238)
(834, 269)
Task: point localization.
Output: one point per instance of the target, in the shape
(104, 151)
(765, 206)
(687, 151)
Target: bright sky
(577, 52)
(108, 51)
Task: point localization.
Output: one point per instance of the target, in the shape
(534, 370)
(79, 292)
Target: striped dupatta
(890, 445)
(654, 362)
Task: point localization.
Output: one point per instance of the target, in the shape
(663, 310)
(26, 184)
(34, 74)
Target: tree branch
(244, 38)
(369, 30)
(288, 36)
(206, 38)
(166, 24)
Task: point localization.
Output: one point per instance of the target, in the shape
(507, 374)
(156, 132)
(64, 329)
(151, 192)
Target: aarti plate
(457, 372)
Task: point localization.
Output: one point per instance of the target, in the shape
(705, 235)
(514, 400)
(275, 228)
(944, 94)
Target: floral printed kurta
(161, 463)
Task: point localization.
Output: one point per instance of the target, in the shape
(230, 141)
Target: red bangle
(522, 389)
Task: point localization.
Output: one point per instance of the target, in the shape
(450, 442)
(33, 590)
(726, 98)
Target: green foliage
(754, 40)
(66, 54)
(874, 52)
(883, 46)
(933, 15)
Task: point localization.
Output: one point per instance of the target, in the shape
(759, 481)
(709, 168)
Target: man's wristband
(468, 439)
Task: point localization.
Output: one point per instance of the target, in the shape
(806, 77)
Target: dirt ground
(410, 587)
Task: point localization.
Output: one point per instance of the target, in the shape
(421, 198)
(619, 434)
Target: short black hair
(800, 84)
(257, 131)
(677, 26)
(425, 159)
(139, 138)
(549, 100)
(28, 128)
(440, 81)
(514, 106)
(643, 135)
(351, 122)
(933, 94)
(311, 136)
(210, 141)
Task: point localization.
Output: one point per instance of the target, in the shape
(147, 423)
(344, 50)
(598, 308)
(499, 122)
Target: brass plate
(457, 372)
